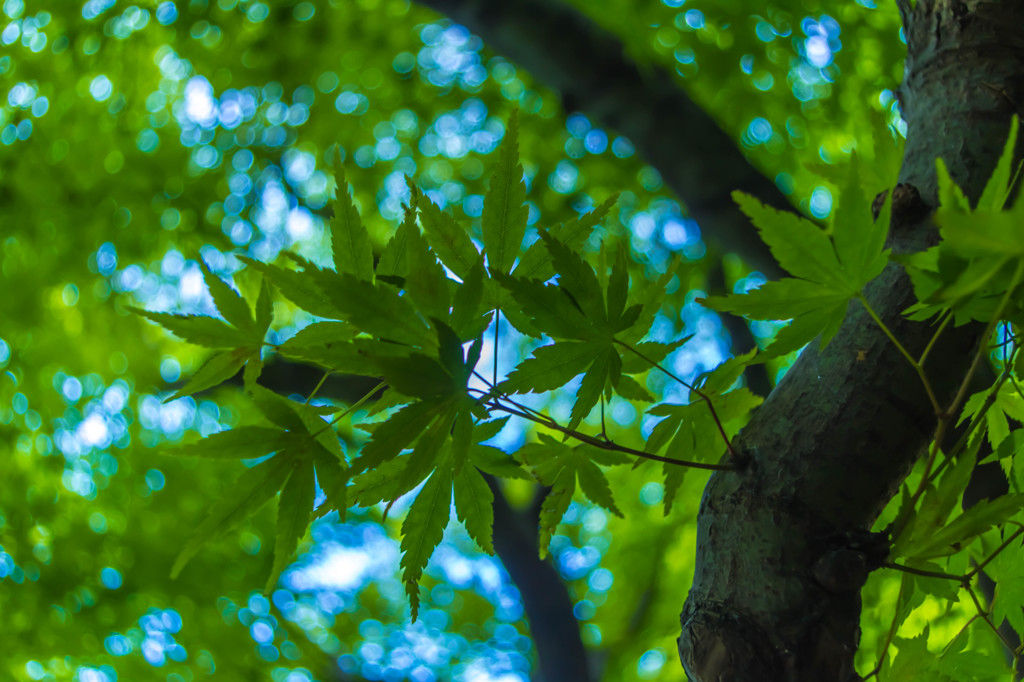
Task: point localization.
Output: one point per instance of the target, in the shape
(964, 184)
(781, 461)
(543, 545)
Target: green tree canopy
(374, 340)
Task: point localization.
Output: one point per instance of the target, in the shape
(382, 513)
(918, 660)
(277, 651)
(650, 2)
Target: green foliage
(827, 273)
(301, 448)
(410, 308)
(418, 330)
(691, 431)
(975, 270)
(243, 336)
(563, 467)
(407, 323)
(504, 217)
(973, 274)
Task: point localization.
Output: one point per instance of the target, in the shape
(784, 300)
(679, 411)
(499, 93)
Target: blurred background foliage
(135, 138)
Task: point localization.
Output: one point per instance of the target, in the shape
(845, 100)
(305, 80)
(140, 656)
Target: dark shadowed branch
(556, 632)
(549, 610)
(567, 51)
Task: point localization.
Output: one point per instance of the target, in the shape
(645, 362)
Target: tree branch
(589, 68)
(554, 629)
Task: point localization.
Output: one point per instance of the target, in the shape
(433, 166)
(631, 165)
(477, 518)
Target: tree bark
(587, 65)
(555, 630)
(783, 546)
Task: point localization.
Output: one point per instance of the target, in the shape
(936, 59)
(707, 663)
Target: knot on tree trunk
(719, 644)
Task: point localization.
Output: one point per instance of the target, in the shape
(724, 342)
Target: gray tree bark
(782, 547)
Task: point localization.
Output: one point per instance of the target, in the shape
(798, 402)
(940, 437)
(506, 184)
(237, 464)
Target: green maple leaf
(432, 450)
(859, 238)
(912, 661)
(435, 458)
(446, 237)
(547, 307)
(426, 282)
(200, 330)
(242, 499)
(350, 242)
(379, 310)
(563, 467)
(649, 352)
(1008, 571)
(305, 288)
(241, 442)
(550, 367)
(389, 480)
(827, 274)
(577, 278)
(690, 432)
(242, 335)
(535, 263)
(503, 221)
(217, 369)
(318, 336)
(383, 483)
(440, 386)
(395, 434)
(423, 529)
(393, 265)
(965, 527)
(1000, 183)
(605, 370)
(306, 450)
(474, 506)
(971, 268)
(230, 304)
(293, 514)
(333, 478)
(650, 296)
(584, 319)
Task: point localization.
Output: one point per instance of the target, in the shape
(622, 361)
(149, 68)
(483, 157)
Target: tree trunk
(783, 546)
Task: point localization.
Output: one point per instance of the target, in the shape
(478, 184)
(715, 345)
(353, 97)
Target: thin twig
(984, 615)
(703, 396)
(497, 324)
(925, 573)
(606, 444)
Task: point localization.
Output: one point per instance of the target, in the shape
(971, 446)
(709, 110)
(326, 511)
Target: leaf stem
(924, 573)
(703, 396)
(598, 442)
(998, 550)
(319, 385)
(918, 367)
(935, 337)
(351, 408)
